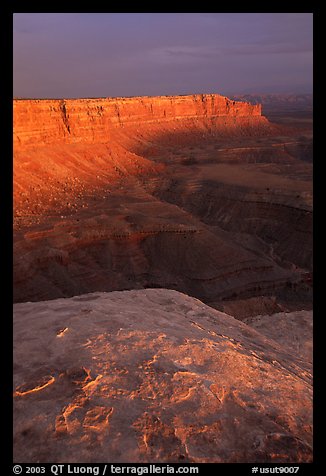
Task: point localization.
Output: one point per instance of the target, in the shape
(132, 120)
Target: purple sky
(138, 54)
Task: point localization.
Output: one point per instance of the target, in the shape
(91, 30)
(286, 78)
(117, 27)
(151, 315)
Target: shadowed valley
(209, 201)
(195, 193)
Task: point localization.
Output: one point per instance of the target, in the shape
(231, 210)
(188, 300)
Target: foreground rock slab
(153, 376)
(290, 329)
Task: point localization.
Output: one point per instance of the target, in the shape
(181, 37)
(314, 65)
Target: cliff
(94, 120)
(167, 192)
(104, 198)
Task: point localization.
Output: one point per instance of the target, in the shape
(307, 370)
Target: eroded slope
(196, 193)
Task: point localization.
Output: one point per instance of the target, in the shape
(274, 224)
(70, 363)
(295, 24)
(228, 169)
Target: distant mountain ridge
(304, 101)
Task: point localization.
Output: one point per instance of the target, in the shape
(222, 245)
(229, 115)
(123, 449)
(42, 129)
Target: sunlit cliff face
(196, 193)
(193, 193)
(67, 149)
(92, 120)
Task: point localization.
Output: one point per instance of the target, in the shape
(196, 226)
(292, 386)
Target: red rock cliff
(89, 120)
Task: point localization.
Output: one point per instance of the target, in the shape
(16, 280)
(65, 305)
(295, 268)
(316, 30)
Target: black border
(6, 235)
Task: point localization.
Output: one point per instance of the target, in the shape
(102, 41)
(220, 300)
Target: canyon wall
(93, 120)
(105, 199)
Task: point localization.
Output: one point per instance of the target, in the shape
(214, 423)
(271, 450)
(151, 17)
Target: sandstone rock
(154, 376)
(92, 120)
(104, 200)
(292, 330)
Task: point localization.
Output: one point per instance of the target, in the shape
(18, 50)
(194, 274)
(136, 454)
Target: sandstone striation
(199, 193)
(93, 120)
(155, 376)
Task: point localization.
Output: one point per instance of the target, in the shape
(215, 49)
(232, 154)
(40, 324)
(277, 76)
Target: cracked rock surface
(155, 376)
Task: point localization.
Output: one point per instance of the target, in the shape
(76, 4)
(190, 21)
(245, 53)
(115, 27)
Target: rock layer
(195, 193)
(154, 376)
(92, 120)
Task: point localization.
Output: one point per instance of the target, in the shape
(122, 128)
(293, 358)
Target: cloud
(191, 51)
(268, 49)
(172, 54)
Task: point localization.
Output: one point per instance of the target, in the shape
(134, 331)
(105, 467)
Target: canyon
(200, 193)
(162, 280)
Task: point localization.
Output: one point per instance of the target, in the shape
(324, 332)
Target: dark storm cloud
(80, 55)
